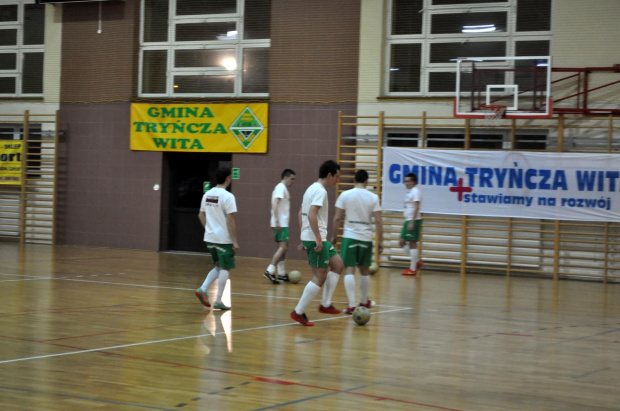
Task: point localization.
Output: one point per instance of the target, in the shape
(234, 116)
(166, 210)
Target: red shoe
(329, 310)
(368, 304)
(301, 318)
(349, 310)
(409, 271)
(419, 264)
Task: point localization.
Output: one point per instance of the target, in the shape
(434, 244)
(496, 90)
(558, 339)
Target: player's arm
(313, 219)
(232, 230)
(338, 218)
(274, 209)
(379, 229)
(416, 213)
(203, 218)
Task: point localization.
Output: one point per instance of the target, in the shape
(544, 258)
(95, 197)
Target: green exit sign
(235, 174)
(206, 186)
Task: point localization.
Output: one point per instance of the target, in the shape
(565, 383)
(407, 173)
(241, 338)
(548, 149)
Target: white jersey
(284, 206)
(359, 204)
(412, 196)
(217, 203)
(314, 195)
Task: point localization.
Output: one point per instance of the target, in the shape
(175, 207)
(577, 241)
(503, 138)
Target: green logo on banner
(246, 128)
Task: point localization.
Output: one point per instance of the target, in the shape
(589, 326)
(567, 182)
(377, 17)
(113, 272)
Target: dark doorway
(184, 178)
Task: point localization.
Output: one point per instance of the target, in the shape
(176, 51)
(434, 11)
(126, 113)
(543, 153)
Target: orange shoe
(419, 264)
(409, 271)
(203, 297)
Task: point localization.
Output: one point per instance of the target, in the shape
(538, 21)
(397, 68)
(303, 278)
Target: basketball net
(493, 113)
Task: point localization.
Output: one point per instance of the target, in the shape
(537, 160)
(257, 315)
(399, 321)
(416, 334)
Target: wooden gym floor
(94, 328)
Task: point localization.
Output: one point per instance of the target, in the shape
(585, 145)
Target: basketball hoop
(493, 113)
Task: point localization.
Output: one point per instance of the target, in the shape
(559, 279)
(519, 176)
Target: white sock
(281, 269)
(271, 268)
(364, 283)
(349, 286)
(414, 258)
(210, 278)
(308, 295)
(329, 287)
(221, 284)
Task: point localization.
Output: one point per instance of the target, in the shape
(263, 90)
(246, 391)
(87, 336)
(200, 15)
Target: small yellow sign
(11, 162)
(219, 128)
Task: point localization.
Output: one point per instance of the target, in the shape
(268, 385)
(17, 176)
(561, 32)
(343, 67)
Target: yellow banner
(11, 162)
(222, 128)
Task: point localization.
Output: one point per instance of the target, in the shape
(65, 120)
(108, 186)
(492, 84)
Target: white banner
(556, 186)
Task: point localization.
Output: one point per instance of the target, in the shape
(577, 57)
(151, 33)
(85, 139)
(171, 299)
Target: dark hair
(361, 176)
(221, 174)
(328, 167)
(413, 177)
(287, 172)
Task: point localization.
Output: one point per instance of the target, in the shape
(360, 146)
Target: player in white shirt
(322, 255)
(280, 217)
(357, 207)
(410, 233)
(217, 210)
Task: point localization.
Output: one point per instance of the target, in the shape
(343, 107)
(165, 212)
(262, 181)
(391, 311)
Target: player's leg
(413, 243)
(364, 260)
(319, 270)
(226, 256)
(406, 239)
(201, 292)
(270, 273)
(349, 287)
(348, 254)
(336, 267)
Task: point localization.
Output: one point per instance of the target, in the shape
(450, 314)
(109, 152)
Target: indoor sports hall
(116, 114)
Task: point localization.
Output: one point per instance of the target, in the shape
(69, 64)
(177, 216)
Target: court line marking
(116, 347)
(100, 400)
(192, 289)
(353, 390)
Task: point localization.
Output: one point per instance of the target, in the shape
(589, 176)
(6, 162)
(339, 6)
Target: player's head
(287, 172)
(361, 176)
(288, 177)
(411, 180)
(221, 174)
(329, 171)
(329, 167)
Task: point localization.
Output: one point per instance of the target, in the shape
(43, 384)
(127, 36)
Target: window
(198, 48)
(426, 36)
(22, 29)
(480, 139)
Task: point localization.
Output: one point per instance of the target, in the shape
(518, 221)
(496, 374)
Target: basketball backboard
(521, 84)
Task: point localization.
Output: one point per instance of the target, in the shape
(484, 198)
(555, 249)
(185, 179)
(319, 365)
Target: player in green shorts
(357, 207)
(280, 217)
(217, 211)
(322, 256)
(412, 228)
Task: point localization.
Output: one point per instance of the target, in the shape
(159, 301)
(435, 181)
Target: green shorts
(321, 259)
(223, 255)
(282, 235)
(413, 235)
(356, 253)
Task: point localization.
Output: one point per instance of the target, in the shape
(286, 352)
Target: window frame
(510, 37)
(19, 49)
(239, 44)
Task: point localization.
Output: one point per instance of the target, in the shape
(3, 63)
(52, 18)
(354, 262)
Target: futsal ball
(294, 276)
(361, 315)
(373, 269)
